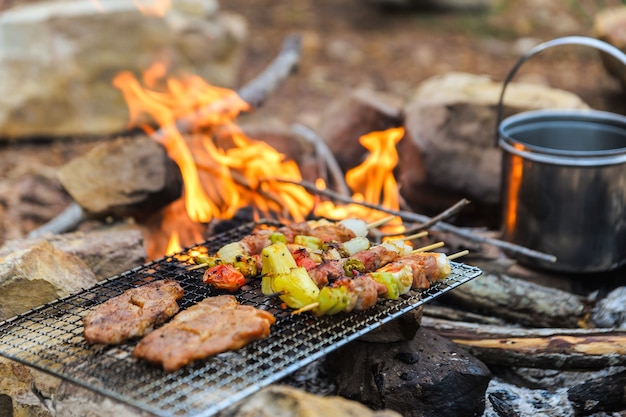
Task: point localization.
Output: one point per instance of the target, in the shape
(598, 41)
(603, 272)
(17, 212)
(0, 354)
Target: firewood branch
(548, 348)
(327, 160)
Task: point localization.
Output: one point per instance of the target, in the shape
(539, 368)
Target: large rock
(427, 376)
(355, 114)
(58, 59)
(40, 274)
(278, 400)
(450, 145)
(106, 252)
(610, 26)
(131, 177)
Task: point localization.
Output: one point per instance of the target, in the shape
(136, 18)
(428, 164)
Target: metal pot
(564, 180)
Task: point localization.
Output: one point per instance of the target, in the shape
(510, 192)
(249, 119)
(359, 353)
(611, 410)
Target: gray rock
(610, 26)
(450, 145)
(131, 177)
(609, 312)
(278, 400)
(106, 252)
(40, 274)
(58, 60)
(414, 378)
(355, 114)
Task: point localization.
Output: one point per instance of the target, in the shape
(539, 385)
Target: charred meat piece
(134, 313)
(214, 325)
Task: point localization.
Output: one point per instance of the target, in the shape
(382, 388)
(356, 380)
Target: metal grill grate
(50, 338)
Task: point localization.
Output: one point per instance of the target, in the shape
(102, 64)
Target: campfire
(187, 178)
(224, 170)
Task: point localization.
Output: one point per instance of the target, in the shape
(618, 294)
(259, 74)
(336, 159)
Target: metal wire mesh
(50, 338)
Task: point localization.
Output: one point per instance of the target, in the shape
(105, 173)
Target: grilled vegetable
(389, 281)
(229, 252)
(356, 245)
(282, 275)
(353, 266)
(224, 277)
(332, 300)
(310, 242)
(246, 265)
(297, 287)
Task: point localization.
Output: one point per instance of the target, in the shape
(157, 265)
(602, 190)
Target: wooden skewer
(414, 236)
(458, 254)
(307, 307)
(429, 247)
(380, 222)
(191, 268)
(278, 293)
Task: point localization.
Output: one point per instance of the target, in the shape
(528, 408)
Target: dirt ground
(348, 44)
(352, 43)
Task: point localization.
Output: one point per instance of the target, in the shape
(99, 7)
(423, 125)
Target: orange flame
(373, 181)
(218, 179)
(224, 170)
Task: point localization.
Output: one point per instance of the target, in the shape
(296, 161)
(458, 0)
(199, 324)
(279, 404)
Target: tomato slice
(224, 277)
(303, 259)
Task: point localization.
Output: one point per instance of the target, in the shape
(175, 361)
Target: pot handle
(567, 40)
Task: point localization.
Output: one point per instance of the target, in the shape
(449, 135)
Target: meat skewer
(416, 271)
(298, 289)
(320, 263)
(322, 230)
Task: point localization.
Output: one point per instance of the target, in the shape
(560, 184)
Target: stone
(354, 114)
(451, 5)
(428, 376)
(24, 391)
(609, 26)
(27, 392)
(609, 311)
(58, 60)
(450, 146)
(279, 400)
(37, 275)
(106, 252)
(128, 177)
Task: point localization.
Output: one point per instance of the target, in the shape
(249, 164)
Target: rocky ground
(352, 43)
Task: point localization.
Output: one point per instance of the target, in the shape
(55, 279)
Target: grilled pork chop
(134, 313)
(214, 325)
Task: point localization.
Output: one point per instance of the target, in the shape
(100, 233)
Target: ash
(313, 379)
(526, 402)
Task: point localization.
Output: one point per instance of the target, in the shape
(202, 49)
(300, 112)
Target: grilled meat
(134, 313)
(214, 325)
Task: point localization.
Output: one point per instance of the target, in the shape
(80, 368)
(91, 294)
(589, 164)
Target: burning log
(548, 348)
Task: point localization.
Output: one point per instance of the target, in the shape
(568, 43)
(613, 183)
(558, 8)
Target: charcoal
(426, 376)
